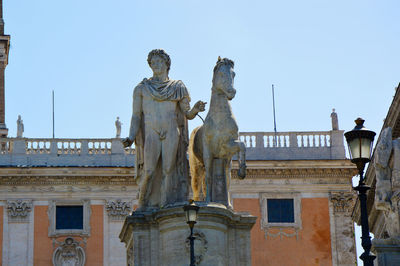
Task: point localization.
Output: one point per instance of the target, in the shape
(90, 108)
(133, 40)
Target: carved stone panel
(118, 209)
(69, 253)
(342, 202)
(18, 210)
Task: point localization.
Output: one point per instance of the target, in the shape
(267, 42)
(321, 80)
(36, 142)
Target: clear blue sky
(319, 54)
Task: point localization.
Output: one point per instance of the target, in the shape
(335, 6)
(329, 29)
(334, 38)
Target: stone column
(342, 229)
(117, 210)
(161, 237)
(18, 233)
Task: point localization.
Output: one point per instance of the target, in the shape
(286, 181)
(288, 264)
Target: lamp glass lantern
(191, 213)
(360, 141)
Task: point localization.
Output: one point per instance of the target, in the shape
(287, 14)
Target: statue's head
(157, 55)
(223, 77)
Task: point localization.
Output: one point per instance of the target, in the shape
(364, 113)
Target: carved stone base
(160, 238)
(387, 251)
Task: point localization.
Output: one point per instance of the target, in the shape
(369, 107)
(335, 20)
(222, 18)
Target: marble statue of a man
(159, 129)
(20, 127)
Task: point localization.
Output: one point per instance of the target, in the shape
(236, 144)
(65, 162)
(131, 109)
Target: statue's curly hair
(161, 53)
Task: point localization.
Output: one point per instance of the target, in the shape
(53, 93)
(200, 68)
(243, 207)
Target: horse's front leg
(238, 147)
(207, 159)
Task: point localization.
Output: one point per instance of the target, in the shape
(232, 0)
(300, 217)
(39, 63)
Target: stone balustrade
(38, 152)
(286, 139)
(307, 145)
(64, 152)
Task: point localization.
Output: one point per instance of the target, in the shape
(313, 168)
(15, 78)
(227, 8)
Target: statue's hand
(127, 142)
(199, 106)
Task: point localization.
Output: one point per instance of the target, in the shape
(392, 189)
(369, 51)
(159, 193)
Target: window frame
(265, 224)
(278, 203)
(53, 232)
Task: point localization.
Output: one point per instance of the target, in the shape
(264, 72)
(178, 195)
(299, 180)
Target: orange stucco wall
(313, 246)
(43, 248)
(94, 248)
(1, 234)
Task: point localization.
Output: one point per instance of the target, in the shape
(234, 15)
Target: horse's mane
(222, 62)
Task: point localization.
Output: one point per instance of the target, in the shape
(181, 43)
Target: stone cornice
(66, 171)
(66, 176)
(68, 180)
(298, 169)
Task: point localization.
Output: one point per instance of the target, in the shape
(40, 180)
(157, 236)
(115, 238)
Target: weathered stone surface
(159, 238)
(387, 251)
(159, 129)
(343, 244)
(213, 144)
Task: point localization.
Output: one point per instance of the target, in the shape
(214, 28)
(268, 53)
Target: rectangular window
(280, 210)
(69, 217)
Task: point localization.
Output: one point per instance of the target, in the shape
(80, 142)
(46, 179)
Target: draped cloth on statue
(171, 90)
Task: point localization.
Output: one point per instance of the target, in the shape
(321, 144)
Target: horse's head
(223, 77)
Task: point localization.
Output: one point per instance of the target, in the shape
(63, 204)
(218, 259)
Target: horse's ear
(219, 58)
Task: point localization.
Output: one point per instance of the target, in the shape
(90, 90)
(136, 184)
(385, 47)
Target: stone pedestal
(161, 237)
(387, 252)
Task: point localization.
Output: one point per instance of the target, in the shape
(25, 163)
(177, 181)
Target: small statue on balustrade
(387, 193)
(118, 127)
(20, 127)
(335, 121)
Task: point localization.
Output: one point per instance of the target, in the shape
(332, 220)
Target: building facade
(64, 200)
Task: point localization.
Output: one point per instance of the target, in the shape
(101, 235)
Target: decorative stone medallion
(69, 253)
(200, 246)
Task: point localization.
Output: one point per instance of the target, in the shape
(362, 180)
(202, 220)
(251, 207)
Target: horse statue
(212, 145)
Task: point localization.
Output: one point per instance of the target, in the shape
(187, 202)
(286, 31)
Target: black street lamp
(191, 217)
(360, 142)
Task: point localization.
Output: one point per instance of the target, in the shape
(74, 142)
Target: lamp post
(191, 217)
(360, 142)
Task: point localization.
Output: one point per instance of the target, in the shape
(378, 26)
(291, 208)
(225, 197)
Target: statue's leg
(169, 147)
(152, 148)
